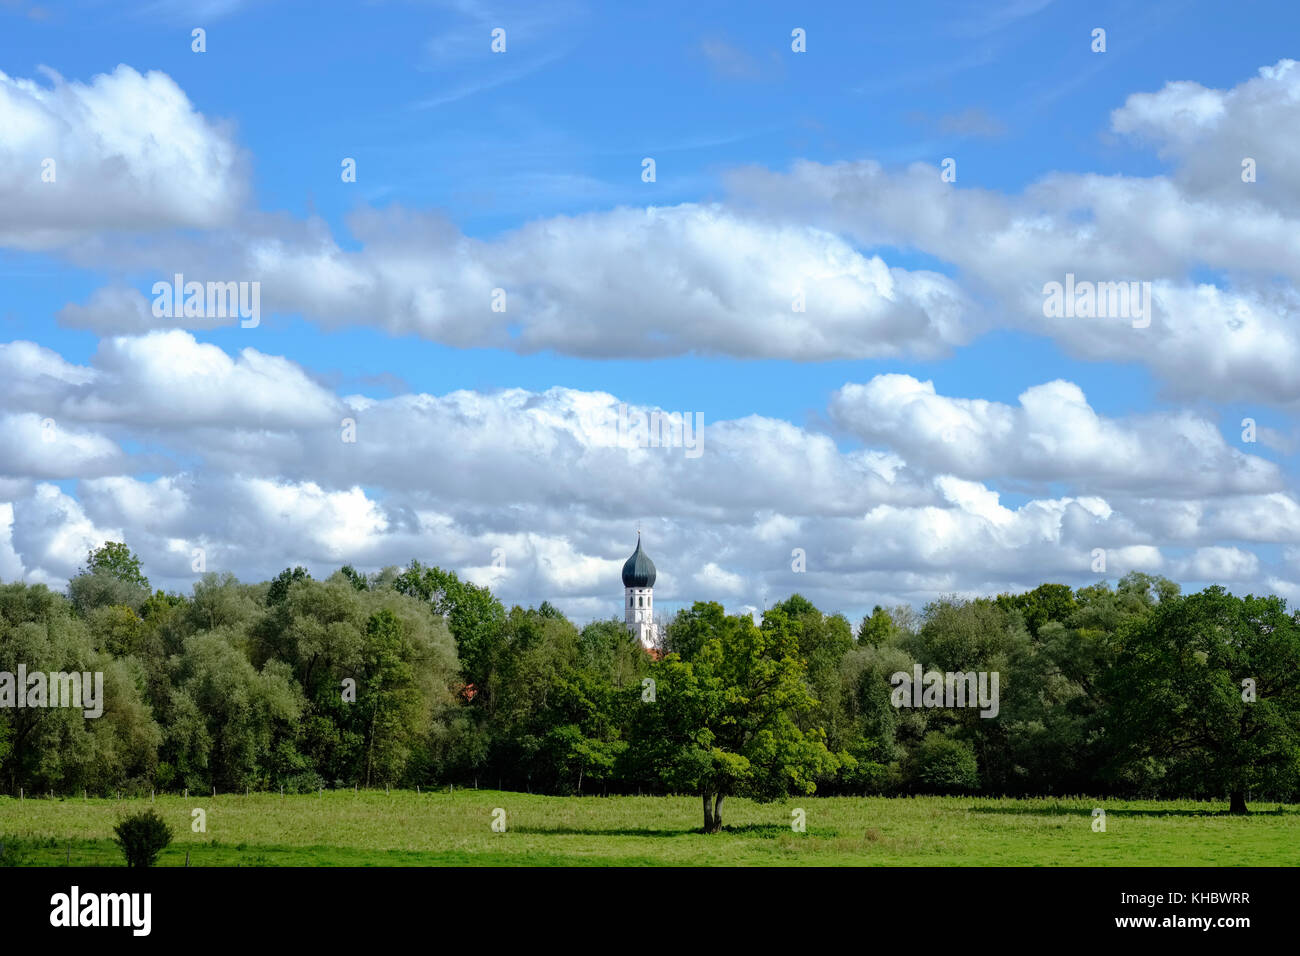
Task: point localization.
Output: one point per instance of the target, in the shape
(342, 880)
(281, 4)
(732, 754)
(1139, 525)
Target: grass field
(408, 829)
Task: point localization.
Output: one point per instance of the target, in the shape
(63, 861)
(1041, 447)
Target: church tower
(638, 592)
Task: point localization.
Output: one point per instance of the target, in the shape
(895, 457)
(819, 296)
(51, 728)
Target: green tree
(475, 616)
(241, 715)
(141, 837)
(355, 577)
(279, 588)
(1047, 602)
(945, 765)
(727, 722)
(116, 559)
(1206, 687)
(691, 628)
(60, 747)
(388, 698)
(876, 627)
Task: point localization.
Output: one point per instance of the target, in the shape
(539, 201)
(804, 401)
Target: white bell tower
(639, 597)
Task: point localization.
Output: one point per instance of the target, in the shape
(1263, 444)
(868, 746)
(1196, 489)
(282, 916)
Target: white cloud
(452, 478)
(130, 153)
(1053, 435)
(36, 447)
(1208, 132)
(1231, 339)
(1219, 565)
(169, 378)
(52, 535)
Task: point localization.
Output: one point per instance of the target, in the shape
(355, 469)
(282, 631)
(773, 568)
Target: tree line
(412, 676)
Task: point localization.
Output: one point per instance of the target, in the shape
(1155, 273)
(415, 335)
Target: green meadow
(342, 828)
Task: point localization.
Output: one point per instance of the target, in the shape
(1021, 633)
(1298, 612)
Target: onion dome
(638, 570)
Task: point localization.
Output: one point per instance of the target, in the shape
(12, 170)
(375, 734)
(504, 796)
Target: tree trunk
(708, 813)
(717, 814)
(1238, 802)
(370, 748)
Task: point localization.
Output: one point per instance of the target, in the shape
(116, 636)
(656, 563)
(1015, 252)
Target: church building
(638, 591)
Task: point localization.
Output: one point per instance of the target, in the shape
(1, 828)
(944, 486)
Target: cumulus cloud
(1208, 133)
(32, 374)
(539, 493)
(655, 282)
(52, 535)
(534, 493)
(36, 447)
(731, 279)
(1231, 339)
(124, 152)
(169, 378)
(121, 310)
(1053, 435)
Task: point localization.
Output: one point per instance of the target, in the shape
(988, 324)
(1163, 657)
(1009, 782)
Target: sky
(838, 269)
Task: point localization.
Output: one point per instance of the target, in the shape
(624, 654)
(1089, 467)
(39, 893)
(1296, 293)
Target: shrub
(944, 765)
(14, 851)
(306, 782)
(142, 837)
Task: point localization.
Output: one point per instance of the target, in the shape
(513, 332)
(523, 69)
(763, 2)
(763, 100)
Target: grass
(342, 828)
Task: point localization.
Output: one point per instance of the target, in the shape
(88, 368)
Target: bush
(944, 765)
(142, 837)
(14, 851)
(306, 782)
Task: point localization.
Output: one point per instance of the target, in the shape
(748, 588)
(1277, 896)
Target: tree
(876, 627)
(388, 700)
(244, 715)
(102, 588)
(115, 558)
(727, 722)
(691, 627)
(142, 837)
(279, 589)
(1205, 687)
(475, 616)
(1047, 602)
(49, 747)
(355, 577)
(945, 765)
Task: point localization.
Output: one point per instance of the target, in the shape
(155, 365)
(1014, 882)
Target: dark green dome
(638, 570)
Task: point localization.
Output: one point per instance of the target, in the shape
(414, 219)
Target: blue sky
(480, 144)
(601, 86)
